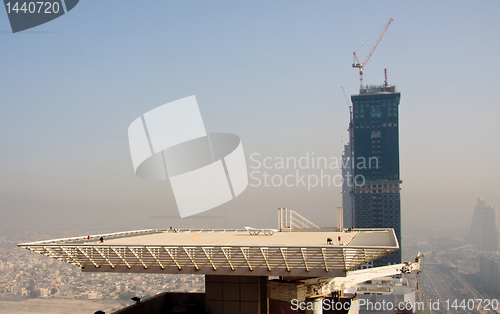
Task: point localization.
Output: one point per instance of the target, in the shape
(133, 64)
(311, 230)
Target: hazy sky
(270, 72)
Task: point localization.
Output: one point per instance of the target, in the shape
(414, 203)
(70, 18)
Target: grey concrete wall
(236, 294)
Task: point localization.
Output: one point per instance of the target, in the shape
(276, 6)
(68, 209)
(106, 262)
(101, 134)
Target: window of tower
(376, 113)
(376, 134)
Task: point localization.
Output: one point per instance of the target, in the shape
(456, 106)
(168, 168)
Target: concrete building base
(236, 294)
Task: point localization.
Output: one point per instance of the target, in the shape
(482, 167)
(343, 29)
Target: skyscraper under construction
(374, 154)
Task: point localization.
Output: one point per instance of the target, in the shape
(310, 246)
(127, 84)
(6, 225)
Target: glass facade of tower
(375, 145)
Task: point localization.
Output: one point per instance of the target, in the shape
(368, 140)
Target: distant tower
(484, 229)
(375, 147)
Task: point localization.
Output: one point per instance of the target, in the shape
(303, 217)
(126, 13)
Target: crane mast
(360, 65)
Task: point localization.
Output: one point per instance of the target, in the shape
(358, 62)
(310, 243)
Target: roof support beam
(88, 256)
(189, 251)
(209, 256)
(105, 258)
(283, 254)
(71, 256)
(121, 257)
(227, 256)
(265, 255)
(324, 258)
(172, 257)
(150, 250)
(246, 256)
(304, 258)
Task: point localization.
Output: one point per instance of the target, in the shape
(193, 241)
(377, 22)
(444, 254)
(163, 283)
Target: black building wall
(375, 142)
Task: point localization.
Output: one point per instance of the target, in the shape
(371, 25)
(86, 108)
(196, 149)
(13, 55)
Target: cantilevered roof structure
(222, 252)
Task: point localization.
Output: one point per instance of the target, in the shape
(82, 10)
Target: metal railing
(289, 219)
(123, 234)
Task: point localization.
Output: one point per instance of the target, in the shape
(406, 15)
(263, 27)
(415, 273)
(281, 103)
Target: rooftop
(229, 252)
(376, 89)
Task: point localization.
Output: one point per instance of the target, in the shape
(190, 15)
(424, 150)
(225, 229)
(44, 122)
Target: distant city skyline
(270, 72)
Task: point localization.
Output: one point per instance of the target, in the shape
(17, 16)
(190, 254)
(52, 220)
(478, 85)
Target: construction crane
(322, 286)
(360, 65)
